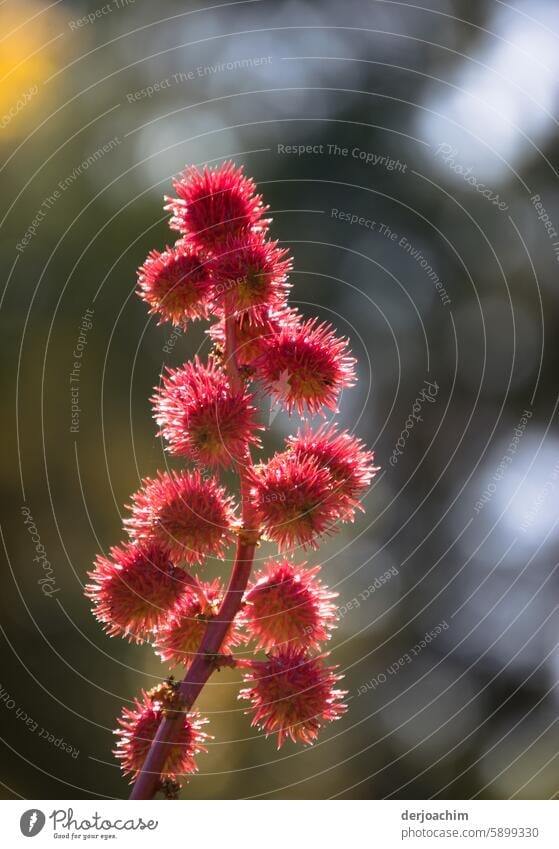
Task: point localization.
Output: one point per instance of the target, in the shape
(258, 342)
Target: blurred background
(409, 157)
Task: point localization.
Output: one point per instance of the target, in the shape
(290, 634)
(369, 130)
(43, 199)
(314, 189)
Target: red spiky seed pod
(138, 727)
(202, 418)
(178, 638)
(288, 605)
(291, 496)
(306, 366)
(134, 590)
(350, 464)
(188, 516)
(293, 695)
(176, 284)
(249, 273)
(214, 204)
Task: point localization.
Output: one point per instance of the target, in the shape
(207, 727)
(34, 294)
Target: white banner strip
(275, 825)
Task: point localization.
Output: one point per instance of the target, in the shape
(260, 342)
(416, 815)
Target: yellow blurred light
(31, 44)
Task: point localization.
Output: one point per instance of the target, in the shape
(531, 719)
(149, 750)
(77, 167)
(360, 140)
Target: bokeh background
(448, 584)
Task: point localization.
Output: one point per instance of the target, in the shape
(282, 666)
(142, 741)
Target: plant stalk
(149, 780)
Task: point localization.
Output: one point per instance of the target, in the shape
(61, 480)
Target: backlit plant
(225, 269)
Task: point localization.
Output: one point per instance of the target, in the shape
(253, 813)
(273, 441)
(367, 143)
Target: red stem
(203, 665)
(149, 780)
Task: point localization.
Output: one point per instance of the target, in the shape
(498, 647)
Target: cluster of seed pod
(225, 269)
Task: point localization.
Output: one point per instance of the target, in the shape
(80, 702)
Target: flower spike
(306, 367)
(200, 416)
(292, 498)
(134, 590)
(214, 204)
(294, 695)
(188, 516)
(139, 726)
(249, 275)
(225, 268)
(176, 284)
(288, 606)
(351, 466)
